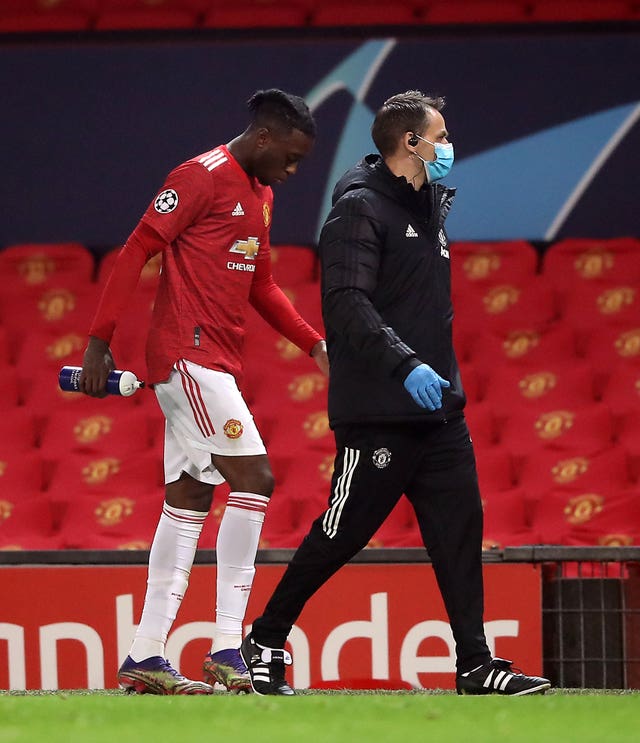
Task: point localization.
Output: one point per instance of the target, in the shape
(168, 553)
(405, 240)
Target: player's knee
(258, 480)
(265, 482)
(189, 494)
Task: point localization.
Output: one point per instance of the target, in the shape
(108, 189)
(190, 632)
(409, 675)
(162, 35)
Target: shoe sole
(242, 686)
(133, 685)
(540, 689)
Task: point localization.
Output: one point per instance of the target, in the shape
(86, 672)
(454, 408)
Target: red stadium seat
(488, 264)
(611, 347)
(588, 518)
(510, 388)
(111, 521)
(26, 523)
(579, 10)
(585, 430)
(18, 431)
(496, 471)
(472, 382)
(256, 15)
(482, 424)
(32, 265)
(621, 392)
(52, 309)
(292, 265)
(122, 432)
(141, 14)
(475, 11)
(21, 473)
(506, 521)
(505, 307)
(525, 346)
(574, 260)
(362, 13)
(43, 354)
(588, 307)
(10, 394)
(544, 471)
(6, 350)
(628, 435)
(35, 15)
(86, 477)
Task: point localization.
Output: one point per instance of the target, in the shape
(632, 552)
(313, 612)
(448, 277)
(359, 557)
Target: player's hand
(96, 366)
(319, 355)
(425, 386)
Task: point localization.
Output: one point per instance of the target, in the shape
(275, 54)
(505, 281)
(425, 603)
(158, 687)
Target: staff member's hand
(425, 386)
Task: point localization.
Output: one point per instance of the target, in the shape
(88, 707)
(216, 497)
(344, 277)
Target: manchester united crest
(554, 424)
(520, 342)
(266, 214)
(593, 263)
(481, 265)
(233, 429)
(114, 511)
(381, 458)
(500, 299)
(583, 508)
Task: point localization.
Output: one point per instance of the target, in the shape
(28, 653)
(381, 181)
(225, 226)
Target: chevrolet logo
(249, 247)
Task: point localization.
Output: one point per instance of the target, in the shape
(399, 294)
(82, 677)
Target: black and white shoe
(496, 677)
(266, 668)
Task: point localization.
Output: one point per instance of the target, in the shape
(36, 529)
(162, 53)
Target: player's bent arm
(272, 304)
(98, 361)
(143, 243)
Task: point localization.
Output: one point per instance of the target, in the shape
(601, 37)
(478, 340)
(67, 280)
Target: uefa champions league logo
(166, 202)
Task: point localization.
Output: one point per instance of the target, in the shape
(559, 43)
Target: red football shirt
(212, 222)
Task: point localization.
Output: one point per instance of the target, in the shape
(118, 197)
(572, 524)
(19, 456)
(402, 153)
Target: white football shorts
(205, 414)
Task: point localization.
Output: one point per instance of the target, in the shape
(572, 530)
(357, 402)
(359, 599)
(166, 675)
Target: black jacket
(386, 296)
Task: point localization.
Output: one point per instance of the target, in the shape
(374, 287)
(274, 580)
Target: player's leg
(368, 480)
(251, 483)
(146, 669)
(216, 430)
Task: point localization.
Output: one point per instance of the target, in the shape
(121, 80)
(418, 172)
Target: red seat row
(109, 15)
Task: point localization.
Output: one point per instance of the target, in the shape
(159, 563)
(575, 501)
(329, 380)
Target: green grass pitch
(111, 716)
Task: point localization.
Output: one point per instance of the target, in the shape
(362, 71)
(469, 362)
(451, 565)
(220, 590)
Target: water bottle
(119, 382)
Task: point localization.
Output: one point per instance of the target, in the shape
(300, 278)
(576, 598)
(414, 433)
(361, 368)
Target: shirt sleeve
(143, 243)
(184, 198)
(350, 253)
(272, 304)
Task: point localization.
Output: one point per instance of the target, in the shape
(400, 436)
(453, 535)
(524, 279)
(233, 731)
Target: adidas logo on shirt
(238, 211)
(410, 232)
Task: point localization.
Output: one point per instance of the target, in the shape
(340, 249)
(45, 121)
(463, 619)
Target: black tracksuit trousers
(435, 467)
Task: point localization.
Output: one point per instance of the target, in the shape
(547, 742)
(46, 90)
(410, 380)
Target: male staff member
(395, 396)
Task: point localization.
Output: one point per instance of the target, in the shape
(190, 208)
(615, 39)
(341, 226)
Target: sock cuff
(183, 515)
(248, 501)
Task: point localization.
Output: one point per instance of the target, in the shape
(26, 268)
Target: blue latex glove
(425, 386)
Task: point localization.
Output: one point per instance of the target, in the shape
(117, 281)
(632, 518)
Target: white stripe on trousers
(340, 493)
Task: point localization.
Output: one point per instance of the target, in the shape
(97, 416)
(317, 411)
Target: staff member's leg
(445, 495)
(370, 471)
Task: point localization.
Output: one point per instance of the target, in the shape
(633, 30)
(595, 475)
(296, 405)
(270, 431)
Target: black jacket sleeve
(351, 247)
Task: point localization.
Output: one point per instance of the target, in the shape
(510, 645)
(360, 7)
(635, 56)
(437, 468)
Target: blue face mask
(439, 168)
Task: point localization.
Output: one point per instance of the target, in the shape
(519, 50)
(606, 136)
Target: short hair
(282, 111)
(404, 112)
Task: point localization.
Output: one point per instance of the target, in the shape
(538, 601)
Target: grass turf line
(101, 717)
